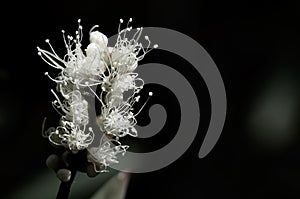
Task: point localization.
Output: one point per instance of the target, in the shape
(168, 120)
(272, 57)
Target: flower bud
(98, 38)
(64, 175)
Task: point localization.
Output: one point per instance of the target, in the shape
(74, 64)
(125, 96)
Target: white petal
(98, 38)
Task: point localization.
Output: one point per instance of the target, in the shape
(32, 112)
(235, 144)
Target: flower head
(71, 136)
(77, 67)
(118, 120)
(112, 69)
(127, 52)
(71, 133)
(106, 153)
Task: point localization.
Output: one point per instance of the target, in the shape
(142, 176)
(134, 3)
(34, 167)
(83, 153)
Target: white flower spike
(110, 68)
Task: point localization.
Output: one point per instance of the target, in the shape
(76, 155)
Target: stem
(65, 187)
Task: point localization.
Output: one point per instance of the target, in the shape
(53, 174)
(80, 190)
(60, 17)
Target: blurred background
(255, 45)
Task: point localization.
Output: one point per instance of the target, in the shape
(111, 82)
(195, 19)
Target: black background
(255, 46)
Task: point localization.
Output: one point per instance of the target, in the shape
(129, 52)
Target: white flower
(98, 38)
(71, 133)
(106, 153)
(117, 120)
(122, 83)
(127, 52)
(74, 107)
(70, 136)
(76, 67)
(125, 82)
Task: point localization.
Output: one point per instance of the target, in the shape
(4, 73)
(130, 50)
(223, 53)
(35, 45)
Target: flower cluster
(110, 68)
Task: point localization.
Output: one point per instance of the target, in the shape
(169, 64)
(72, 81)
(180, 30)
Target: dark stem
(65, 187)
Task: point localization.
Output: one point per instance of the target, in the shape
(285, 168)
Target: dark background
(256, 48)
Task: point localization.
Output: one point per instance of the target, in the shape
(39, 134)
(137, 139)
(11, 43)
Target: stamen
(150, 94)
(95, 26)
(55, 80)
(61, 106)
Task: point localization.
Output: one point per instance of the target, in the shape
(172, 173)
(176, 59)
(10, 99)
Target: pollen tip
(79, 20)
(46, 73)
(155, 46)
(150, 93)
(121, 20)
(146, 37)
(47, 40)
(130, 20)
